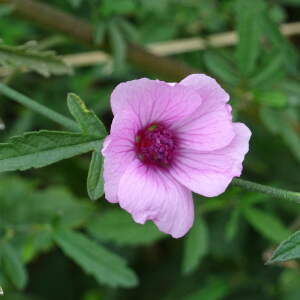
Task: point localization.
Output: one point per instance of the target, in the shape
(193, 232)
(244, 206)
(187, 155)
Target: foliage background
(55, 243)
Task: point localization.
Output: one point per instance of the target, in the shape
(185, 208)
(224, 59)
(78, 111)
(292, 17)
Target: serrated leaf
(107, 267)
(268, 225)
(28, 57)
(221, 67)
(195, 246)
(42, 148)
(249, 30)
(13, 266)
(118, 226)
(288, 249)
(95, 182)
(87, 119)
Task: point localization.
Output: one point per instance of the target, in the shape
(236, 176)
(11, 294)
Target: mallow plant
(166, 141)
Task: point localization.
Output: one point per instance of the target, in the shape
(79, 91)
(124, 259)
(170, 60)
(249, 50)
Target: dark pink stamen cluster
(155, 145)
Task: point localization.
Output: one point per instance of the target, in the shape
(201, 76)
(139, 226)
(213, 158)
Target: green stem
(41, 109)
(274, 192)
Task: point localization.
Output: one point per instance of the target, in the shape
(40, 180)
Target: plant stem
(274, 192)
(41, 109)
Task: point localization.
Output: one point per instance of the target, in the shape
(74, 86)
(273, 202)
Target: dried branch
(62, 22)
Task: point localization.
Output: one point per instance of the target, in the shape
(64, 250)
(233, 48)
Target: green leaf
(23, 123)
(280, 43)
(291, 137)
(87, 120)
(39, 241)
(221, 67)
(107, 267)
(42, 148)
(270, 119)
(232, 225)
(95, 183)
(129, 30)
(2, 125)
(118, 226)
(11, 295)
(288, 249)
(58, 204)
(13, 266)
(292, 88)
(6, 9)
(42, 206)
(248, 15)
(195, 246)
(118, 45)
(271, 98)
(215, 289)
(268, 225)
(100, 32)
(75, 3)
(28, 57)
(283, 122)
(266, 73)
(291, 2)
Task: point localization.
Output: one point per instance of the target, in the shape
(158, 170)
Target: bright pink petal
(154, 100)
(209, 173)
(206, 130)
(210, 91)
(152, 194)
(118, 154)
(118, 151)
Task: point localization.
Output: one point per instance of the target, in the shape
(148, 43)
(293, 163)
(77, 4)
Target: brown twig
(55, 19)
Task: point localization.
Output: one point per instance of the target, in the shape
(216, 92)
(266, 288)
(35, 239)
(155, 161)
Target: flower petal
(118, 151)
(209, 173)
(154, 100)
(210, 91)
(206, 130)
(152, 194)
(118, 154)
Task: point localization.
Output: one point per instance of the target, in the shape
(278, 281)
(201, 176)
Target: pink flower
(168, 140)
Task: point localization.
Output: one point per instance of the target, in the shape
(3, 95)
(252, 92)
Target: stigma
(155, 145)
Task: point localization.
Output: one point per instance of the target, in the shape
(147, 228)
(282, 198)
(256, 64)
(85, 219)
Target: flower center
(155, 145)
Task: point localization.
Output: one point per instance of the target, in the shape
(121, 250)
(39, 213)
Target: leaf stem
(41, 109)
(274, 192)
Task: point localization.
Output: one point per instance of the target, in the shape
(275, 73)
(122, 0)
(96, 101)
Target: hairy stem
(41, 109)
(59, 21)
(274, 192)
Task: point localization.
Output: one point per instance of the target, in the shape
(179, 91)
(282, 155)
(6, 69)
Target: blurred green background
(100, 253)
